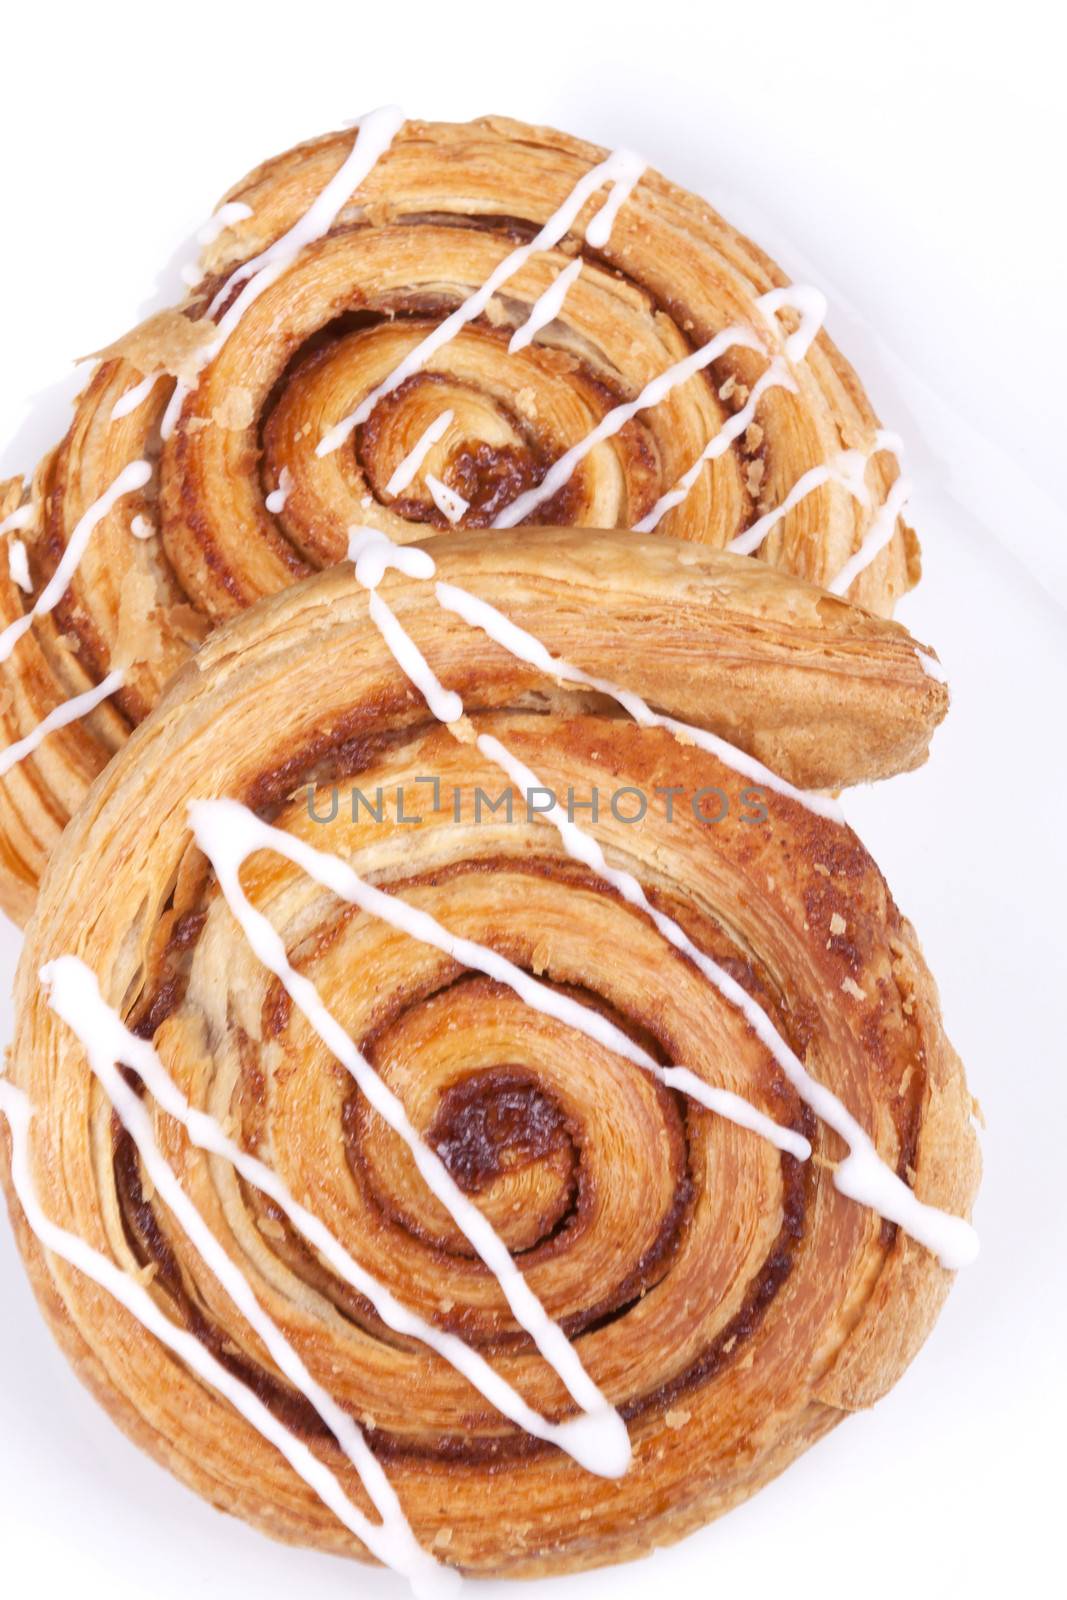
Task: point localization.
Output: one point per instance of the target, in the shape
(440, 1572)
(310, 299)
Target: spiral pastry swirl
(725, 1297)
(618, 278)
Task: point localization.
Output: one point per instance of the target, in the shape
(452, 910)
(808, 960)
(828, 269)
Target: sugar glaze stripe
(61, 716)
(547, 307)
(18, 565)
(130, 399)
(227, 216)
(405, 473)
(17, 560)
(450, 504)
(275, 501)
(876, 538)
(17, 520)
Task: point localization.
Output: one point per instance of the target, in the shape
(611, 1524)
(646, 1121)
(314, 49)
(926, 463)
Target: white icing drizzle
(629, 166)
(222, 834)
(448, 502)
(373, 554)
(134, 397)
(18, 565)
(802, 297)
(18, 519)
(225, 217)
(876, 538)
(480, 614)
(75, 997)
(407, 469)
(617, 166)
(141, 527)
(391, 1540)
(743, 544)
(68, 711)
(275, 501)
(776, 376)
(848, 469)
(133, 476)
(445, 704)
(547, 307)
(863, 1175)
(376, 132)
(932, 668)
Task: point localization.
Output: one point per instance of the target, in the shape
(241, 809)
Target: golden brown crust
(727, 1298)
(433, 218)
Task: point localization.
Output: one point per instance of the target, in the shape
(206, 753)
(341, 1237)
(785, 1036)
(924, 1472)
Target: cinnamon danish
(489, 1098)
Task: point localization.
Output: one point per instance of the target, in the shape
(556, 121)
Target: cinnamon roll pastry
(416, 326)
(455, 1123)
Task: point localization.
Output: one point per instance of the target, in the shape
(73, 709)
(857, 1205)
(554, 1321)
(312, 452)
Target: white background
(908, 157)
